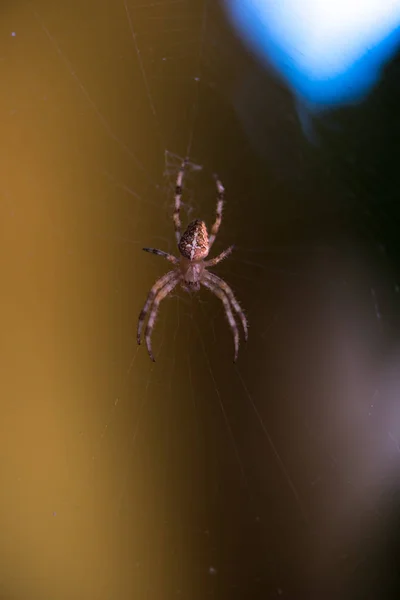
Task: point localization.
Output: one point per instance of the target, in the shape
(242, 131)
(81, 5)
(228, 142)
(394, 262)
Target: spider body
(191, 269)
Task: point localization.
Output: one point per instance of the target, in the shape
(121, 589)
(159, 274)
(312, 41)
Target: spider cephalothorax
(191, 268)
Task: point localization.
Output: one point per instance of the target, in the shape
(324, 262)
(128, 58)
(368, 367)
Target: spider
(191, 268)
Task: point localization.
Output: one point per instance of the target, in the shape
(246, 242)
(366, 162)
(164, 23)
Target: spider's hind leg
(215, 289)
(220, 283)
(167, 289)
(157, 287)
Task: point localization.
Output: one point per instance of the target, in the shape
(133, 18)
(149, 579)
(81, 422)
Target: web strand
(107, 127)
(197, 80)
(143, 73)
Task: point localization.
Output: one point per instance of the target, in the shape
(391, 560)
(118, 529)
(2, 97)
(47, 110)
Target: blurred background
(192, 477)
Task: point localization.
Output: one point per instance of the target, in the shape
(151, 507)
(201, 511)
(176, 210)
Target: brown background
(190, 477)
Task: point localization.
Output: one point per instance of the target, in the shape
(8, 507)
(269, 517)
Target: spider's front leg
(220, 206)
(178, 197)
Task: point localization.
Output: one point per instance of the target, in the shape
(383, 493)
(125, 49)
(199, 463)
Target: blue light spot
(328, 53)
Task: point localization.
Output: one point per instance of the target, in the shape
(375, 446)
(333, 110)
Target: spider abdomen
(194, 244)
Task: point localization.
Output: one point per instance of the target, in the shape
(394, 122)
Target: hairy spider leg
(228, 291)
(178, 197)
(215, 289)
(167, 289)
(214, 261)
(220, 205)
(159, 284)
(170, 257)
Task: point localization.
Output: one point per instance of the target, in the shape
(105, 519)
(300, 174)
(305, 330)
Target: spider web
(190, 477)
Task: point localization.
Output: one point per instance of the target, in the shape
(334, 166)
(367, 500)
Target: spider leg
(217, 259)
(215, 289)
(159, 284)
(166, 255)
(228, 291)
(163, 292)
(218, 217)
(178, 196)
